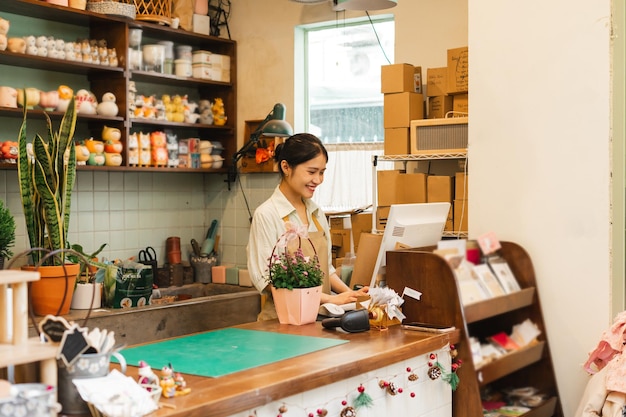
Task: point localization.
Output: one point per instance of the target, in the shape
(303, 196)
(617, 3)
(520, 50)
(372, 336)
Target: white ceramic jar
(182, 68)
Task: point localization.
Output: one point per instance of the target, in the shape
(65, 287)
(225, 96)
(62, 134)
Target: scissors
(147, 255)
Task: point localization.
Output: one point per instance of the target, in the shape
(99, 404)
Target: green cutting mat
(224, 351)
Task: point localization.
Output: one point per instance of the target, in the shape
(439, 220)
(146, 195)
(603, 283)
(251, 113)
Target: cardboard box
(401, 108)
(461, 215)
(336, 223)
(369, 245)
(382, 213)
(460, 186)
(397, 78)
(439, 189)
(201, 24)
(460, 103)
(458, 71)
(436, 80)
(396, 187)
(439, 106)
(360, 223)
(397, 141)
(341, 242)
(417, 80)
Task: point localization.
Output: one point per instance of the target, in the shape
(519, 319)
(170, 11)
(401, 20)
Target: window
(342, 102)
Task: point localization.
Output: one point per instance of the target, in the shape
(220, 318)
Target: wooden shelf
(441, 304)
(103, 79)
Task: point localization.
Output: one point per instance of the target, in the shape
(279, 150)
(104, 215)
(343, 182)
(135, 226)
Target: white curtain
(348, 181)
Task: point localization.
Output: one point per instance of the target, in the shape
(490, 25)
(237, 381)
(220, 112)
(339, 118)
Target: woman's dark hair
(298, 149)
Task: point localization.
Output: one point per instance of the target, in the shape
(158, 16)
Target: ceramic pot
(8, 97)
(49, 100)
(297, 306)
(173, 257)
(32, 97)
(172, 244)
(87, 296)
(17, 45)
(52, 294)
(88, 365)
(78, 4)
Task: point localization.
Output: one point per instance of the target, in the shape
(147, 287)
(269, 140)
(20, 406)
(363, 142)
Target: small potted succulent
(7, 233)
(88, 290)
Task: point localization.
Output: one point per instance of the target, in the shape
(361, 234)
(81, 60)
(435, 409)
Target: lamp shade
(276, 128)
(364, 4)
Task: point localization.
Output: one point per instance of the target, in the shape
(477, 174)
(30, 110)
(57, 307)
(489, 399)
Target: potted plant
(46, 177)
(7, 233)
(296, 283)
(88, 290)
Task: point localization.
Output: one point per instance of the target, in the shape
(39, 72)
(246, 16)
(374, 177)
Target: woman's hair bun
(277, 150)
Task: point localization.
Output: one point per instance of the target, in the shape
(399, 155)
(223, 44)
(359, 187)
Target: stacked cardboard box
(447, 87)
(403, 101)
(397, 187)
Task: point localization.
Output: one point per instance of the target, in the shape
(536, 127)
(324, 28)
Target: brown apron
(320, 242)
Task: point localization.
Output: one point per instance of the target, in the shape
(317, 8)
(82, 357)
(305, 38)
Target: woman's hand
(345, 297)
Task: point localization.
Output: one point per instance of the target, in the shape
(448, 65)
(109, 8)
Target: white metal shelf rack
(460, 154)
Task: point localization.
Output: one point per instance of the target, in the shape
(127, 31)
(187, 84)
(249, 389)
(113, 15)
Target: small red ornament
(344, 402)
(408, 369)
(412, 395)
(430, 364)
(311, 415)
(400, 390)
(432, 356)
(452, 347)
(361, 388)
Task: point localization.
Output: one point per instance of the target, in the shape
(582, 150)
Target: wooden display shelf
(498, 305)
(510, 363)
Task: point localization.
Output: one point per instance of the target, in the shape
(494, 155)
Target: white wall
(539, 155)
(539, 134)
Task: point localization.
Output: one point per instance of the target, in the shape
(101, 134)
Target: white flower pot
(84, 295)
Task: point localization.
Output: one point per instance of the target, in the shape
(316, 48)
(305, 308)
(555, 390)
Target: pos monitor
(410, 226)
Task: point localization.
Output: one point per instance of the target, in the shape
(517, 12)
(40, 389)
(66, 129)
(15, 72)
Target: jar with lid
(168, 63)
(183, 68)
(183, 52)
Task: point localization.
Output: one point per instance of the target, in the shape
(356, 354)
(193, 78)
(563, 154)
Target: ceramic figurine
(111, 133)
(65, 95)
(3, 42)
(86, 102)
(112, 159)
(49, 100)
(94, 146)
(31, 50)
(82, 154)
(107, 106)
(8, 97)
(32, 97)
(168, 385)
(96, 159)
(4, 26)
(17, 45)
(146, 375)
(219, 115)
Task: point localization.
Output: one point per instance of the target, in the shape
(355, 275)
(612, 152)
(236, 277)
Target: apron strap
(317, 222)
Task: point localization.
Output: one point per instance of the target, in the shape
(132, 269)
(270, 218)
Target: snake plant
(46, 179)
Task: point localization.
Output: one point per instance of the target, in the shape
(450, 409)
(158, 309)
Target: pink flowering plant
(294, 270)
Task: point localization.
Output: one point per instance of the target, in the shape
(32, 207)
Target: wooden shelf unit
(101, 79)
(430, 274)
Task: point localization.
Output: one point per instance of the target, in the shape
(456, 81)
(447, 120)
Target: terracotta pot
(87, 296)
(201, 7)
(173, 257)
(48, 292)
(172, 244)
(297, 306)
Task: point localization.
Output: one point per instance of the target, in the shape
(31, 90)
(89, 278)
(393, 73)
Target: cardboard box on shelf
(439, 188)
(460, 103)
(396, 187)
(341, 242)
(201, 24)
(401, 108)
(369, 244)
(361, 223)
(418, 80)
(397, 141)
(439, 106)
(397, 78)
(382, 213)
(336, 222)
(436, 79)
(458, 71)
(461, 215)
(460, 186)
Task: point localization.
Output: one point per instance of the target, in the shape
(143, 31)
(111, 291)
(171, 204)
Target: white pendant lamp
(363, 4)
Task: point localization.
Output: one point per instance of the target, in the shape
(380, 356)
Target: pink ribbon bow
(293, 231)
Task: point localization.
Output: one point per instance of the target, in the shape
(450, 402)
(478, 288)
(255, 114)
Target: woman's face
(304, 178)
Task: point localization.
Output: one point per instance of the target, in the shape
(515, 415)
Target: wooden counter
(245, 390)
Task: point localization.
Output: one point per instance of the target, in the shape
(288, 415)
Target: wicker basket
(159, 11)
(112, 7)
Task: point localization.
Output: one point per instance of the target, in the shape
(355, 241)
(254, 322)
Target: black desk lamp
(274, 125)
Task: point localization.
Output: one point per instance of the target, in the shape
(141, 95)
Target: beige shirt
(268, 225)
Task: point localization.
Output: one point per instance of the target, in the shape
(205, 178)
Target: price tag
(74, 343)
(53, 328)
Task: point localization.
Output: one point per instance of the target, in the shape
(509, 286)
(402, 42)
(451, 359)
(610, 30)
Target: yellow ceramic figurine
(219, 115)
